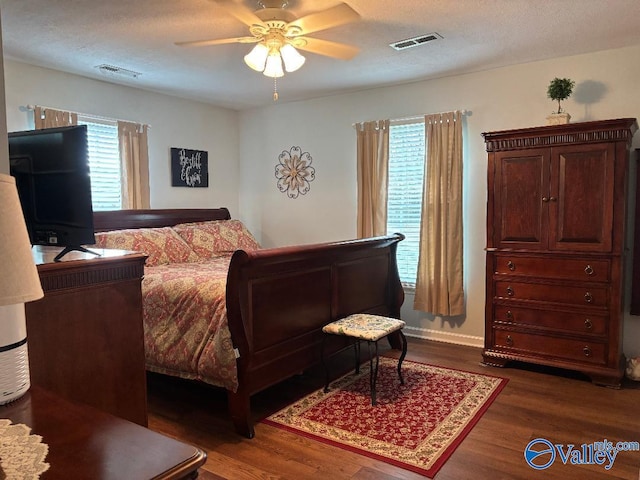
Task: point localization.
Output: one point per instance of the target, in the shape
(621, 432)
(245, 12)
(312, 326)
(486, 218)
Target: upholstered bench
(363, 326)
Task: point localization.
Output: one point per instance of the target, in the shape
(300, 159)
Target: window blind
(104, 163)
(404, 195)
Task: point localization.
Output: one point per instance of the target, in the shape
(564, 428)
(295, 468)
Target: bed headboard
(121, 219)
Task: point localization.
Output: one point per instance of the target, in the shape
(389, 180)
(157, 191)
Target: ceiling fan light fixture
(273, 66)
(278, 34)
(257, 57)
(291, 58)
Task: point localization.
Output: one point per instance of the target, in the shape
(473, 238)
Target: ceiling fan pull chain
(275, 89)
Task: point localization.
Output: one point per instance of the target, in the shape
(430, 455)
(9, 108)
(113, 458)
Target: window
(104, 163)
(404, 194)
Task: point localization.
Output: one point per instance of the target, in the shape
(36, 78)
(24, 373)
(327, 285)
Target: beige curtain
(439, 285)
(49, 118)
(135, 165)
(373, 161)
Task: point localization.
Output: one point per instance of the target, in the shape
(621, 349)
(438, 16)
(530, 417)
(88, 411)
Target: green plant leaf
(560, 88)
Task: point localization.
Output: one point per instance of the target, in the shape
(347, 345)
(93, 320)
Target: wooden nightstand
(85, 337)
(87, 444)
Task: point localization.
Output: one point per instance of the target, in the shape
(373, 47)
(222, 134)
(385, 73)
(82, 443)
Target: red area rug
(415, 426)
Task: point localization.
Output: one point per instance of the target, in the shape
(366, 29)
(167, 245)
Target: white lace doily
(21, 454)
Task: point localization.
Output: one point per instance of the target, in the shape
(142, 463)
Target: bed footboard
(279, 299)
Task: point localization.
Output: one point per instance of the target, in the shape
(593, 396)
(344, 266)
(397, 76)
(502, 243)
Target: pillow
(162, 244)
(215, 238)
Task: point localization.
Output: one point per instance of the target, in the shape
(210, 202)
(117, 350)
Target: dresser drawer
(582, 269)
(516, 342)
(570, 295)
(552, 319)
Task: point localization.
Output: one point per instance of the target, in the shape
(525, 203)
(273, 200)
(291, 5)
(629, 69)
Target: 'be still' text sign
(189, 168)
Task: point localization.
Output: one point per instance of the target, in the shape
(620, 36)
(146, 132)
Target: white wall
(174, 123)
(513, 97)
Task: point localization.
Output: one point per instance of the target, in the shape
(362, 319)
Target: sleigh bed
(264, 325)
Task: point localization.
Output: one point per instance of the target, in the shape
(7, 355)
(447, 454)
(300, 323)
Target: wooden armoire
(556, 215)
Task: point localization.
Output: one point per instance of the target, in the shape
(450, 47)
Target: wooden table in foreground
(87, 444)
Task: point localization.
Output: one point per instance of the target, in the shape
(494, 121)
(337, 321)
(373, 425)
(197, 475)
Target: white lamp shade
(273, 67)
(291, 58)
(257, 57)
(19, 281)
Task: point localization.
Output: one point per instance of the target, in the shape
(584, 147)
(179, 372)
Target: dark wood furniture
(556, 216)
(85, 443)
(279, 299)
(635, 282)
(119, 219)
(85, 336)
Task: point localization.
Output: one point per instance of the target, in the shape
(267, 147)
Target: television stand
(86, 338)
(72, 248)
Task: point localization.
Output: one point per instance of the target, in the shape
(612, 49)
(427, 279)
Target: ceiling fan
(278, 33)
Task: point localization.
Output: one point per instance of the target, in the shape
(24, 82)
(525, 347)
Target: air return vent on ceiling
(415, 41)
(114, 70)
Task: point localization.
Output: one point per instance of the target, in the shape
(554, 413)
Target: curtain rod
(82, 114)
(414, 118)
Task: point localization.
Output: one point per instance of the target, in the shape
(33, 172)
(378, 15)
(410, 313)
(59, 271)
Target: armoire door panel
(520, 187)
(581, 216)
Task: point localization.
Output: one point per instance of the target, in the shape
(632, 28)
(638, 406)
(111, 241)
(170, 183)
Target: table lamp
(19, 283)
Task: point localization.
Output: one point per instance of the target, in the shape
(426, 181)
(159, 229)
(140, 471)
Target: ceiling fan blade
(242, 13)
(219, 41)
(331, 17)
(328, 48)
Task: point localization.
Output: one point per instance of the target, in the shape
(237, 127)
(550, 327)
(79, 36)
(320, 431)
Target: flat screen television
(51, 168)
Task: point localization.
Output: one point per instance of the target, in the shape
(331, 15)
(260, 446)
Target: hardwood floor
(562, 407)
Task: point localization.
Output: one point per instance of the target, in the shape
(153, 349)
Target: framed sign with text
(189, 168)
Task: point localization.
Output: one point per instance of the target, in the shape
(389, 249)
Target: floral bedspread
(185, 322)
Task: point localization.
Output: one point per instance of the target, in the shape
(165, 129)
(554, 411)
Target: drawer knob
(588, 270)
(510, 341)
(588, 324)
(545, 199)
(510, 291)
(511, 265)
(587, 351)
(588, 297)
(509, 315)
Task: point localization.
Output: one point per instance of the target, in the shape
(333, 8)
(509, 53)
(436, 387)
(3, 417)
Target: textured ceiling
(76, 36)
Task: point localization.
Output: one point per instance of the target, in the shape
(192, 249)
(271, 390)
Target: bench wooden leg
(325, 363)
(394, 340)
(402, 355)
(373, 372)
(325, 366)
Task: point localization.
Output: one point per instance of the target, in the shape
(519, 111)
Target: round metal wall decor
(294, 172)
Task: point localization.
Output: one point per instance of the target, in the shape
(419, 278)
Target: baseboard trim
(445, 337)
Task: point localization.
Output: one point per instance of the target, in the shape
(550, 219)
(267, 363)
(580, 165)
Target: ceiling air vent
(114, 70)
(415, 41)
